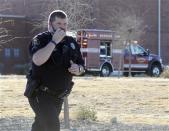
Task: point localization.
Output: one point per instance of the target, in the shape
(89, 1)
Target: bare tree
(131, 27)
(79, 13)
(5, 6)
(3, 31)
(127, 24)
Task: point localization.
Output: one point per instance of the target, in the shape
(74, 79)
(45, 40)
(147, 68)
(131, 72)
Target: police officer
(55, 59)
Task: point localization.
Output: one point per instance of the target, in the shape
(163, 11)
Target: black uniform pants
(47, 110)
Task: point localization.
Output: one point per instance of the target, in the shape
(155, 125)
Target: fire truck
(96, 46)
(100, 56)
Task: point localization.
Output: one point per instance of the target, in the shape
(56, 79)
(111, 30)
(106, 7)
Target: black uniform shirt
(54, 72)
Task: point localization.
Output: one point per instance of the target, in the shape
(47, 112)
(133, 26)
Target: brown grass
(130, 100)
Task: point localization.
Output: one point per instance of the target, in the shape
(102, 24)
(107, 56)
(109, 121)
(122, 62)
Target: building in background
(18, 16)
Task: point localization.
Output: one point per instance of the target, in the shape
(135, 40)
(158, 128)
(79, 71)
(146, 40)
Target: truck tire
(155, 70)
(106, 70)
(126, 74)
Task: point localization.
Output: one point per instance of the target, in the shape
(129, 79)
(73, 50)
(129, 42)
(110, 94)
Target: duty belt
(55, 94)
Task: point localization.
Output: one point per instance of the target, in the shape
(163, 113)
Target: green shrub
(86, 113)
(165, 73)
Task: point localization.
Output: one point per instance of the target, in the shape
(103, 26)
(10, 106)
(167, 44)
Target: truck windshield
(136, 50)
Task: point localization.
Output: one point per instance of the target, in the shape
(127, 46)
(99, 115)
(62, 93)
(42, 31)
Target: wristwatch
(53, 42)
(80, 69)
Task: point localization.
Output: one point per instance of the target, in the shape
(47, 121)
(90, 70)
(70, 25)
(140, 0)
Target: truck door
(139, 58)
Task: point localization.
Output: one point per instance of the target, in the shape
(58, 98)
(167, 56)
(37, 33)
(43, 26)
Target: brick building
(148, 11)
(20, 14)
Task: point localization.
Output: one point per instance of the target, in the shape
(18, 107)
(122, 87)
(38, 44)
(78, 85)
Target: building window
(7, 52)
(16, 52)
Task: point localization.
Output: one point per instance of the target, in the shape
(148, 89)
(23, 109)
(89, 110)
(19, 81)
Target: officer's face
(60, 23)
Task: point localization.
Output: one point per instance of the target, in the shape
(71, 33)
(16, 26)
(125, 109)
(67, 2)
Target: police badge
(72, 46)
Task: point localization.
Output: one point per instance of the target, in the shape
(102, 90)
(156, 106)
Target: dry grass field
(130, 100)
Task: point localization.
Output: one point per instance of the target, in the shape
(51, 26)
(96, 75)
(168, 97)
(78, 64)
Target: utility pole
(159, 28)
(129, 42)
(66, 113)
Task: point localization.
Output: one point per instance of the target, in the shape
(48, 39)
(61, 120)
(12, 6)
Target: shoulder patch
(35, 41)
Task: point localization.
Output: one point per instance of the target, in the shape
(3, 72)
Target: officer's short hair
(58, 14)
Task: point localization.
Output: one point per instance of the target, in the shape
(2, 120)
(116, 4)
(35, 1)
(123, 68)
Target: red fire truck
(96, 46)
(100, 56)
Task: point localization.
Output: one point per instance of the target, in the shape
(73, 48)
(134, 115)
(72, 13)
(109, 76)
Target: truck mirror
(148, 52)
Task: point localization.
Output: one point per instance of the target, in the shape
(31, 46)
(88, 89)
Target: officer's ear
(50, 25)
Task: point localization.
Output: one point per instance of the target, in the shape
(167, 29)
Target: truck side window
(102, 50)
(108, 49)
(105, 48)
(136, 50)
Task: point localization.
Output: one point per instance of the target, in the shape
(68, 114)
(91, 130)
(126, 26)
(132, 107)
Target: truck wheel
(126, 74)
(155, 70)
(105, 71)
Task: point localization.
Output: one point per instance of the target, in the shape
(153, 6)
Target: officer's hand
(58, 35)
(74, 69)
